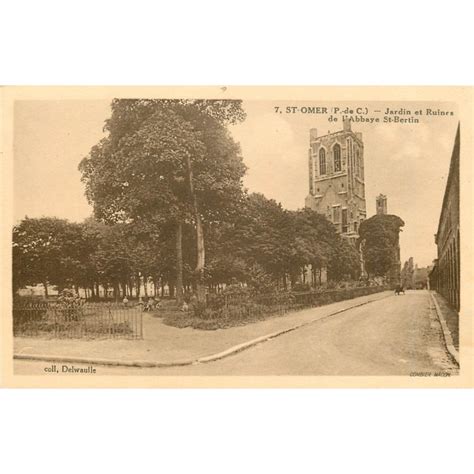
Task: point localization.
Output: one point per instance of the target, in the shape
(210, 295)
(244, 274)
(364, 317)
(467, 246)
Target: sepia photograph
(235, 233)
(236, 239)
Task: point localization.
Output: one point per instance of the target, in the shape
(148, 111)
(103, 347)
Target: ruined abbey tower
(336, 178)
(381, 204)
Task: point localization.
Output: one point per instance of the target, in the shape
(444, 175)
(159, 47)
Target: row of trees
(265, 246)
(56, 252)
(169, 205)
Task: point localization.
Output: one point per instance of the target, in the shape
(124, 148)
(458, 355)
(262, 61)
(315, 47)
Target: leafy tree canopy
(379, 239)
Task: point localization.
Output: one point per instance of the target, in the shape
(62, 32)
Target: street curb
(448, 339)
(220, 355)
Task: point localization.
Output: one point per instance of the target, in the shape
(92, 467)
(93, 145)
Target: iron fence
(245, 305)
(88, 320)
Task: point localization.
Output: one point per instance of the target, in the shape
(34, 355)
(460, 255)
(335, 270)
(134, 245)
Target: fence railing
(88, 320)
(244, 305)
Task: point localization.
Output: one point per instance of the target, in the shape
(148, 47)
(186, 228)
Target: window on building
(322, 161)
(344, 220)
(337, 158)
(336, 214)
(355, 226)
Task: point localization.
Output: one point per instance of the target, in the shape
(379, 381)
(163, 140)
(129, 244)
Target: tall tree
(317, 238)
(170, 161)
(379, 241)
(344, 262)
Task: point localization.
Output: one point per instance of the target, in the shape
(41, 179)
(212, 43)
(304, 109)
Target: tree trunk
(179, 263)
(201, 257)
(45, 285)
(138, 284)
(200, 285)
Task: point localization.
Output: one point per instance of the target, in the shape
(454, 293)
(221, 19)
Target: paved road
(397, 335)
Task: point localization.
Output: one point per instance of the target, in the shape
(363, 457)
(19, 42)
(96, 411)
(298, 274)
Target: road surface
(398, 335)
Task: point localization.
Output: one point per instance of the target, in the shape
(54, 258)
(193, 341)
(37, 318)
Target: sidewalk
(166, 345)
(450, 316)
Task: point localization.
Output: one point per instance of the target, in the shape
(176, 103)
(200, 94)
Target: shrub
(301, 287)
(199, 310)
(239, 306)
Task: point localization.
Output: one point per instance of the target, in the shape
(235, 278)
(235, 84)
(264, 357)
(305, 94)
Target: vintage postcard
(237, 237)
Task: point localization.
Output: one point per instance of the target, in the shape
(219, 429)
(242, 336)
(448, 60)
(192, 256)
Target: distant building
(414, 277)
(336, 178)
(407, 276)
(420, 277)
(445, 275)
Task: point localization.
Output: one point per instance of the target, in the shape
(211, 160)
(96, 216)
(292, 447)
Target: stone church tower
(336, 178)
(381, 204)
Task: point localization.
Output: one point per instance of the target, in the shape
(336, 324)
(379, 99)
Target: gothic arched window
(322, 161)
(337, 158)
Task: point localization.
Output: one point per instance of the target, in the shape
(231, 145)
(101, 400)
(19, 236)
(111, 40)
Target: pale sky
(407, 162)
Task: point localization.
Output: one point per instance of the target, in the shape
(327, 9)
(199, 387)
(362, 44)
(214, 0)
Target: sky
(408, 163)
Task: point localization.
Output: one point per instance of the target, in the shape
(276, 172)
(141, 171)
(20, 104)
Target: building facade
(421, 277)
(336, 179)
(445, 275)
